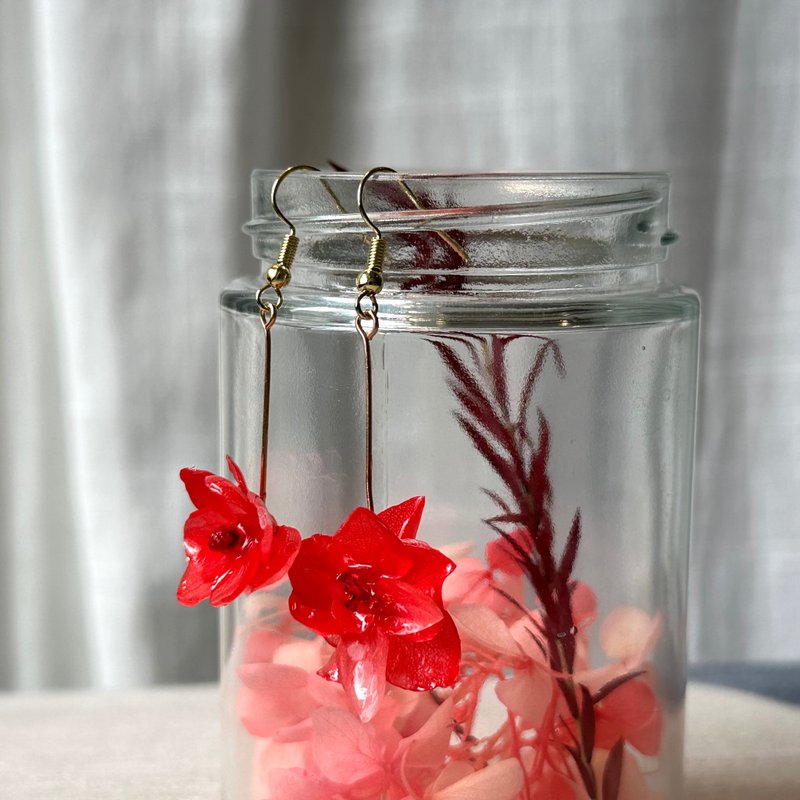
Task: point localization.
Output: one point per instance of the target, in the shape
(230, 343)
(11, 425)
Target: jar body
(552, 438)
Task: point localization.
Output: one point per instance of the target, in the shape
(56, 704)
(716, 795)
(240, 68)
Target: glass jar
(534, 380)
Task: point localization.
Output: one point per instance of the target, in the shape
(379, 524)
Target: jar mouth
(481, 225)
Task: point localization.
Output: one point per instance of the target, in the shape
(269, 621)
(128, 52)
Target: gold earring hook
(280, 273)
(445, 237)
(361, 185)
(274, 194)
(370, 280)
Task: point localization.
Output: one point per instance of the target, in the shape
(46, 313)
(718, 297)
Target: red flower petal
(421, 665)
(207, 490)
(314, 586)
(192, 589)
(363, 541)
(362, 671)
(237, 474)
(233, 581)
(277, 560)
(429, 568)
(404, 518)
(404, 609)
(199, 526)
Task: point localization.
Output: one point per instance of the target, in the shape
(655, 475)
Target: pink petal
(500, 781)
(404, 518)
(483, 630)
(345, 749)
(501, 555)
(555, 786)
(629, 635)
(428, 746)
(413, 711)
(511, 585)
(297, 784)
(269, 756)
(584, 605)
(633, 785)
(261, 645)
(326, 693)
(299, 732)
(527, 694)
(273, 696)
(273, 680)
(420, 758)
(362, 671)
(405, 609)
(630, 712)
(454, 771)
(303, 653)
(467, 583)
(524, 630)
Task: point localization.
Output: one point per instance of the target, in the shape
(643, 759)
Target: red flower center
(359, 593)
(223, 540)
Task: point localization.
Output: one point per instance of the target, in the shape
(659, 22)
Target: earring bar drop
(369, 284)
(278, 277)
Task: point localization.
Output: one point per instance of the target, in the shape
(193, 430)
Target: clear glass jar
(548, 375)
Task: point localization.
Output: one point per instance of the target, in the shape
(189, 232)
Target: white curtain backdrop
(127, 133)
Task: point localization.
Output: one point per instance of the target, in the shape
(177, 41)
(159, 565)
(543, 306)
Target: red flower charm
(376, 595)
(232, 542)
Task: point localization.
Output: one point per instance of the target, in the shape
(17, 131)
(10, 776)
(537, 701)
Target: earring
(232, 542)
(373, 590)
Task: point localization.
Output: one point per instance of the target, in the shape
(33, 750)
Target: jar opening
(448, 232)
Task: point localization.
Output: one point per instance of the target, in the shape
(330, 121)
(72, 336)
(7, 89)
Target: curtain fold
(127, 134)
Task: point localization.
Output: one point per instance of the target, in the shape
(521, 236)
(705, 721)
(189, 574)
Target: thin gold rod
(367, 316)
(278, 276)
(365, 340)
(262, 481)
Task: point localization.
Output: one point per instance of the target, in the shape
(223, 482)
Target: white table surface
(163, 744)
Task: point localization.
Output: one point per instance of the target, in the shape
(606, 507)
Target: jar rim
(304, 195)
(539, 220)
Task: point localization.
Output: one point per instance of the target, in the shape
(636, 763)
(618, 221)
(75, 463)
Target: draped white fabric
(128, 132)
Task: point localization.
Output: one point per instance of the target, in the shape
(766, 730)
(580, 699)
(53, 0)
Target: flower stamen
(223, 540)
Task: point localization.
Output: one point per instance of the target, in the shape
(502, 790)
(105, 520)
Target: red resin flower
(232, 542)
(375, 593)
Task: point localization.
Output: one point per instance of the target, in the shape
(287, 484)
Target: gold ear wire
(280, 273)
(370, 280)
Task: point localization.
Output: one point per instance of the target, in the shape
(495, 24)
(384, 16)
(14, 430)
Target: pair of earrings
(372, 590)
